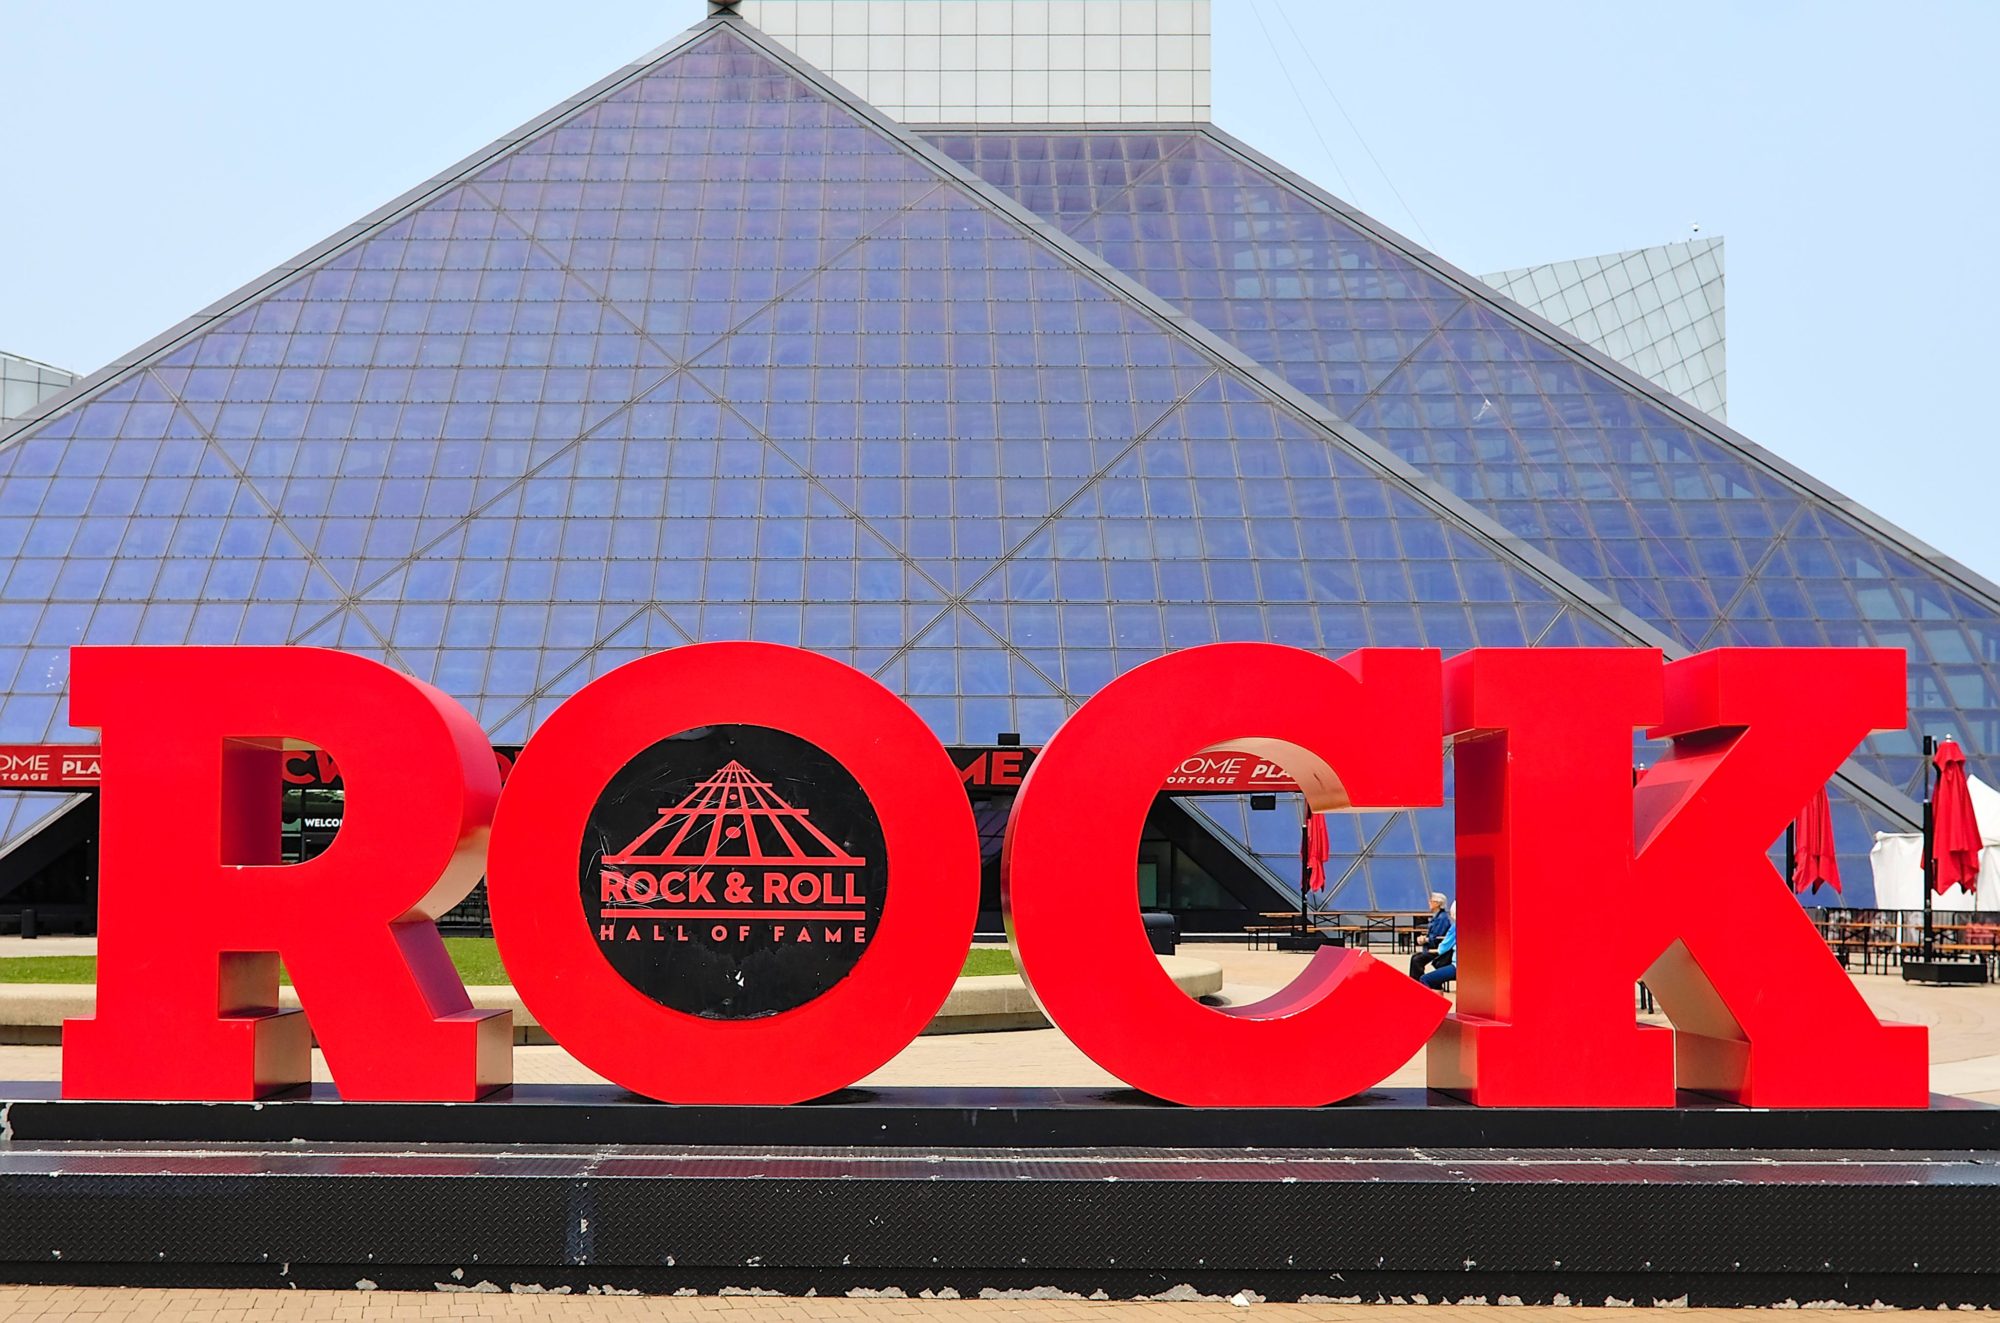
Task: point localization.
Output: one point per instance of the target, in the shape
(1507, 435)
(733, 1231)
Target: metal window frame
(1565, 586)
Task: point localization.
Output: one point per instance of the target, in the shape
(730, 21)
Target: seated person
(1446, 957)
(1440, 925)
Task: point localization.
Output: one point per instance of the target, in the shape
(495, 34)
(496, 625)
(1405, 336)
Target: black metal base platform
(1540, 1226)
(1399, 1195)
(990, 1118)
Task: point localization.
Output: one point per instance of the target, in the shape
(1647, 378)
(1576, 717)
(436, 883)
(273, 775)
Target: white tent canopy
(1898, 863)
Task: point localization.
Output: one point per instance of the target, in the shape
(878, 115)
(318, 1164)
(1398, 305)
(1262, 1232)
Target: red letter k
(1570, 892)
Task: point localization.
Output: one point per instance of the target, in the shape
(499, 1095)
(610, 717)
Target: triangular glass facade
(1689, 529)
(717, 354)
(1681, 524)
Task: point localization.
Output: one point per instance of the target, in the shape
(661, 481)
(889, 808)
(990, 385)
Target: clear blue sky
(157, 156)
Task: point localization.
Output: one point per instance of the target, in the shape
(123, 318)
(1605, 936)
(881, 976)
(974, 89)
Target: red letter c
(1066, 870)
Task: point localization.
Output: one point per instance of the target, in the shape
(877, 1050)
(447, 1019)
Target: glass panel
(716, 358)
(1673, 521)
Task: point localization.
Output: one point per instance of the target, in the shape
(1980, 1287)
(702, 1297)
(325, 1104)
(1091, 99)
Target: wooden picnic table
(1401, 928)
(1276, 924)
(1892, 940)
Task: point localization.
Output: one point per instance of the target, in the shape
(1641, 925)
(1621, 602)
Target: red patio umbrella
(1814, 860)
(1314, 852)
(1954, 829)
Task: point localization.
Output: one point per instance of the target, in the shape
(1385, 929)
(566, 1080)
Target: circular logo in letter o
(725, 933)
(733, 872)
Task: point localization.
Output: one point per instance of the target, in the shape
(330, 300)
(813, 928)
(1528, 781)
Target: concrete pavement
(1964, 1024)
(1965, 1052)
(13, 945)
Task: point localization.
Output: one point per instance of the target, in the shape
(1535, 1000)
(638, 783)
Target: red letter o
(911, 959)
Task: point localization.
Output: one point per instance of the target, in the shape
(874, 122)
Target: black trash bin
(28, 924)
(1163, 932)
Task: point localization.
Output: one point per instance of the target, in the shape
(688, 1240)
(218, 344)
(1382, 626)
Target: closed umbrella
(1313, 851)
(1954, 830)
(1317, 850)
(1814, 860)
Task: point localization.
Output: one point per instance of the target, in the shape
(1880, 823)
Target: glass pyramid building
(716, 351)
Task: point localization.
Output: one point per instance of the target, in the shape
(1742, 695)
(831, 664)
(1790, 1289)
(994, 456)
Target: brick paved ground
(113, 1306)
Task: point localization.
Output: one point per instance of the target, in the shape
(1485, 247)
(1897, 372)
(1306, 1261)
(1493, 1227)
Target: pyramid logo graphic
(733, 820)
(734, 861)
(733, 871)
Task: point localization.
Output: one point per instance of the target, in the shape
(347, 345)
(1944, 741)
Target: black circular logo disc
(733, 871)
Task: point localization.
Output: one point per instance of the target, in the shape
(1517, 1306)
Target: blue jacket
(1449, 945)
(1440, 925)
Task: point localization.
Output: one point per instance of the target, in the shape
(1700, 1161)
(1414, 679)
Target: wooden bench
(1271, 926)
(1863, 938)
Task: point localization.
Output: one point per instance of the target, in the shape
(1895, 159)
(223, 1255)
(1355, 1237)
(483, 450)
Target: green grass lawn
(49, 969)
(989, 960)
(477, 960)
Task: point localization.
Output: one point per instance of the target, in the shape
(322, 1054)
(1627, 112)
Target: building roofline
(1978, 585)
(36, 362)
(1568, 586)
(1692, 241)
(1779, 467)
